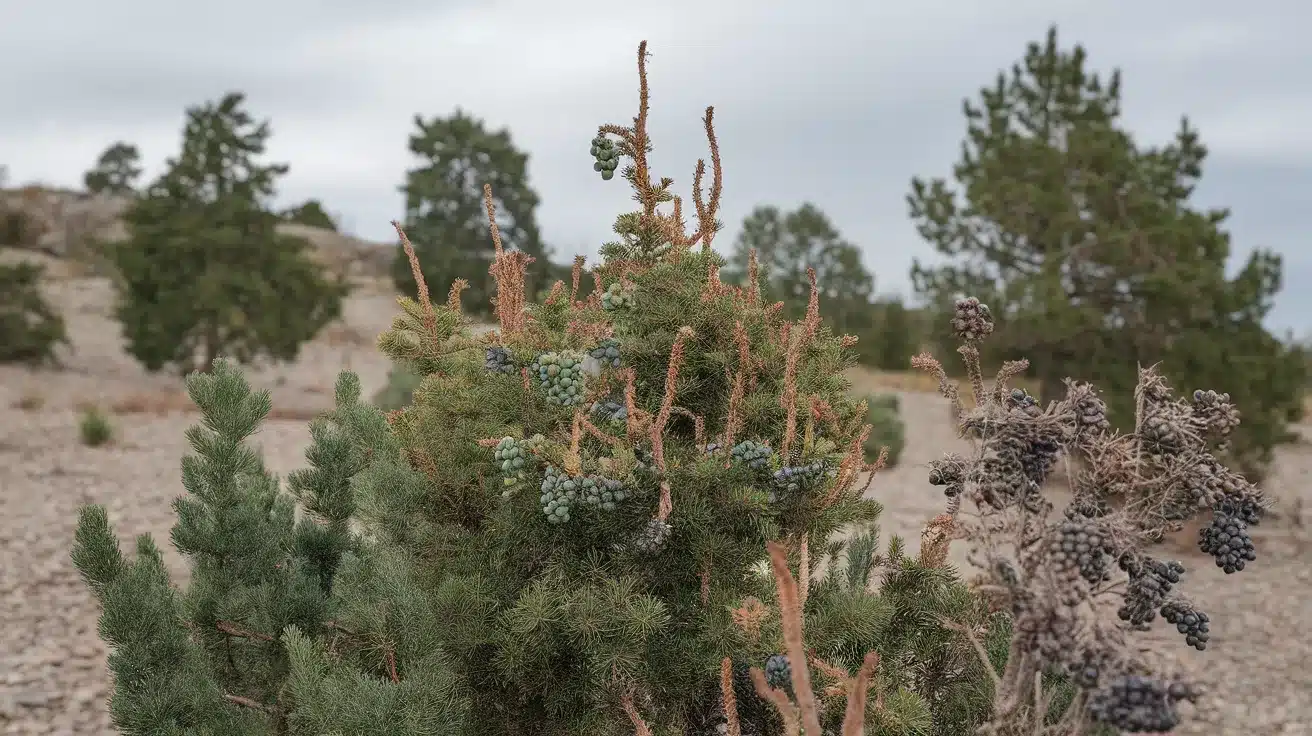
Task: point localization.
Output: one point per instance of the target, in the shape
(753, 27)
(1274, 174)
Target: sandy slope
(52, 676)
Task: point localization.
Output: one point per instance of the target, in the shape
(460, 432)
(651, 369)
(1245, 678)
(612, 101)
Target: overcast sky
(839, 102)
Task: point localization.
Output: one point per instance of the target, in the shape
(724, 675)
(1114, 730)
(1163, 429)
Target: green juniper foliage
(30, 327)
(597, 481)
(204, 270)
(1088, 247)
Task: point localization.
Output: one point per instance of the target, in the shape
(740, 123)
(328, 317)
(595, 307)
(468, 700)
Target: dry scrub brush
(1080, 584)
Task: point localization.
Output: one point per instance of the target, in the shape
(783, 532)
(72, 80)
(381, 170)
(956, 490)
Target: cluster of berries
(1036, 453)
(1215, 412)
(607, 351)
(1000, 474)
(792, 480)
(754, 455)
(610, 410)
(652, 538)
(1138, 704)
(617, 297)
(607, 157)
(1161, 434)
(778, 673)
(560, 492)
(515, 456)
(1150, 582)
(1226, 539)
(1081, 546)
(971, 320)
(1090, 410)
(561, 375)
(1188, 621)
(498, 359)
(950, 473)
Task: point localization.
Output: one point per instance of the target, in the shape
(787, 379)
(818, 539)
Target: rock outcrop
(63, 223)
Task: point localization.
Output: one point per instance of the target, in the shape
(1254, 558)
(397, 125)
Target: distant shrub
(30, 328)
(95, 428)
(30, 401)
(887, 428)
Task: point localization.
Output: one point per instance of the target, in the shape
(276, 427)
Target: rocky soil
(52, 664)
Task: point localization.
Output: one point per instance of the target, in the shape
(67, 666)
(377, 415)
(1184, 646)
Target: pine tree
(1087, 246)
(600, 478)
(30, 327)
(310, 212)
(788, 247)
(214, 661)
(444, 205)
(204, 271)
(116, 171)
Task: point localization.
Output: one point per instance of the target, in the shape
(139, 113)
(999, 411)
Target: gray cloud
(839, 102)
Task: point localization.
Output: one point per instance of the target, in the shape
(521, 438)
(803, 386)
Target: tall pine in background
(204, 271)
(788, 245)
(1091, 254)
(116, 171)
(444, 210)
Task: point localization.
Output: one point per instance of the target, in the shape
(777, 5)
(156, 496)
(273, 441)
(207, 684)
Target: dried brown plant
(749, 616)
(1078, 587)
(801, 713)
(508, 270)
(635, 143)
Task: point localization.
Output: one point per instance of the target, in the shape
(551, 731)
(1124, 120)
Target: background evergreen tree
(789, 243)
(30, 327)
(444, 212)
(204, 270)
(1089, 251)
(116, 171)
(312, 213)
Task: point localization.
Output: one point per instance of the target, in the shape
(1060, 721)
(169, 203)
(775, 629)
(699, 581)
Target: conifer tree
(310, 212)
(116, 171)
(213, 660)
(1090, 251)
(788, 246)
(204, 271)
(30, 327)
(444, 205)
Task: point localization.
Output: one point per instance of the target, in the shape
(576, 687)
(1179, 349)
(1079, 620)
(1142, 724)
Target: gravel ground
(52, 664)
